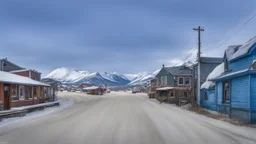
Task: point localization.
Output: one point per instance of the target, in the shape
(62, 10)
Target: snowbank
(214, 74)
(63, 105)
(187, 106)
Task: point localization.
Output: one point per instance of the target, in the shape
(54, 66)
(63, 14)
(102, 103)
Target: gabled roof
(179, 70)
(5, 59)
(211, 59)
(6, 77)
(229, 52)
(241, 50)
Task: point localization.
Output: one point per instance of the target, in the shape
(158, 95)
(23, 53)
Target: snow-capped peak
(59, 74)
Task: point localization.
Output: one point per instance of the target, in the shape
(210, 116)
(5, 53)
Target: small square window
(185, 94)
(181, 82)
(187, 81)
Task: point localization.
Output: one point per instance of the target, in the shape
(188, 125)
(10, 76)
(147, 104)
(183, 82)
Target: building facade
(235, 88)
(173, 83)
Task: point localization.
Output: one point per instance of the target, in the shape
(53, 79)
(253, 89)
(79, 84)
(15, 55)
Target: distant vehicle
(134, 91)
(73, 90)
(108, 91)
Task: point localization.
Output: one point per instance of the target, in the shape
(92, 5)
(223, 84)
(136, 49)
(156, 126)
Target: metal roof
(211, 59)
(179, 70)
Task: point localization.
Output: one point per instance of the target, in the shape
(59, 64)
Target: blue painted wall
(253, 92)
(240, 92)
(240, 64)
(219, 92)
(211, 102)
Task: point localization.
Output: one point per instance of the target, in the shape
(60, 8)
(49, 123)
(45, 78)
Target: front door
(6, 97)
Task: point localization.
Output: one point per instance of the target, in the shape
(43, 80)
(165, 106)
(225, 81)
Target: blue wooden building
(235, 90)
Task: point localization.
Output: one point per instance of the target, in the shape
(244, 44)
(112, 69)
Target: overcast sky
(123, 36)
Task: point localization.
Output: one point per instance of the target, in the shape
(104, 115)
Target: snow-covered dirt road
(123, 118)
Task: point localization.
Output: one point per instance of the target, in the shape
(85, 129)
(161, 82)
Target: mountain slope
(65, 75)
(143, 78)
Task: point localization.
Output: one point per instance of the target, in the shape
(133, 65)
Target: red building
(34, 75)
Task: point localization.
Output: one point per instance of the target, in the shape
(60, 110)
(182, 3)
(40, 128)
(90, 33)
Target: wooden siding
(219, 92)
(253, 93)
(163, 72)
(1, 96)
(240, 64)
(211, 102)
(9, 66)
(240, 92)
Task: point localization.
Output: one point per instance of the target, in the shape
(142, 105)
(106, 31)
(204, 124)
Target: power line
(228, 34)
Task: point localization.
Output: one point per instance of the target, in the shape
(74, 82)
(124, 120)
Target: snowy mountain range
(67, 76)
(142, 78)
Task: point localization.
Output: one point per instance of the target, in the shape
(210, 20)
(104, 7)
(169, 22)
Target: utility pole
(199, 29)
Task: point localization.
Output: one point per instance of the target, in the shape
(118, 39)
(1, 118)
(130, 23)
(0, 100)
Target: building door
(6, 97)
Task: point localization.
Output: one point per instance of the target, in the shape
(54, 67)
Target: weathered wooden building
(18, 91)
(236, 87)
(173, 83)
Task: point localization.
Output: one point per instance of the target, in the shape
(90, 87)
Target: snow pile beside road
(187, 106)
(63, 105)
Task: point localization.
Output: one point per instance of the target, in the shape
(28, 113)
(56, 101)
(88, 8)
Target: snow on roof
(91, 88)
(229, 52)
(233, 73)
(244, 49)
(6, 77)
(218, 70)
(22, 70)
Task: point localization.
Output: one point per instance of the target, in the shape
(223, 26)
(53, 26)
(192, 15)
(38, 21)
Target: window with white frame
(181, 81)
(15, 93)
(187, 81)
(21, 93)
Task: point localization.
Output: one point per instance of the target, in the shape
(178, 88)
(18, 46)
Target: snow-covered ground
(124, 118)
(64, 103)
